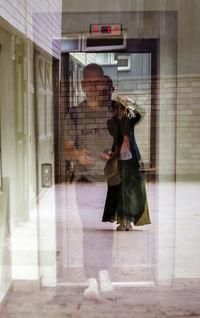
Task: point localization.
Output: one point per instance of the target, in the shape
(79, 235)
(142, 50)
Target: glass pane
(134, 81)
(119, 75)
(131, 76)
(1, 181)
(102, 58)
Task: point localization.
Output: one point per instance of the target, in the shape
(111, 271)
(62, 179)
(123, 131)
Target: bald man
(87, 137)
(87, 134)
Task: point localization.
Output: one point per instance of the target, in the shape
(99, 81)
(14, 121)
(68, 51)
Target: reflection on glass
(1, 177)
(98, 248)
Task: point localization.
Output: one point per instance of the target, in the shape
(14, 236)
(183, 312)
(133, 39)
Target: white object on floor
(92, 292)
(105, 282)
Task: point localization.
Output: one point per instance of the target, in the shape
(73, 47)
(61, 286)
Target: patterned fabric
(132, 203)
(125, 155)
(88, 129)
(127, 201)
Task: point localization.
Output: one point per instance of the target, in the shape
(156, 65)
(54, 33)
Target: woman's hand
(106, 154)
(125, 107)
(124, 100)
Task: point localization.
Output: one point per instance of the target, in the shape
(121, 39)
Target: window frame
(124, 68)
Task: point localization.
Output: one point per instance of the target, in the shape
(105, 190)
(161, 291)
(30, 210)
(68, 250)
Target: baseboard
(26, 285)
(6, 297)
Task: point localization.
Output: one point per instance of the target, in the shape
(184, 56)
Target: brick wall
(92, 132)
(188, 128)
(166, 126)
(56, 105)
(175, 132)
(178, 127)
(140, 92)
(64, 107)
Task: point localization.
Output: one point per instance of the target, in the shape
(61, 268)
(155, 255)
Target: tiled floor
(155, 270)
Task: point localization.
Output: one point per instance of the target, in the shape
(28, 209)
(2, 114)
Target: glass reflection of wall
(1, 181)
(131, 75)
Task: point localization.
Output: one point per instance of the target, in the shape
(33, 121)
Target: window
(124, 62)
(105, 59)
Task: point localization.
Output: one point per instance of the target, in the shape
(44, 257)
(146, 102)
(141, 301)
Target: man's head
(109, 88)
(93, 84)
(92, 71)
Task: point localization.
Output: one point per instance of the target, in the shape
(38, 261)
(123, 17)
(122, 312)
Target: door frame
(139, 46)
(149, 46)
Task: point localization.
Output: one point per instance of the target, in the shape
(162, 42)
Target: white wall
(8, 117)
(9, 160)
(23, 21)
(38, 20)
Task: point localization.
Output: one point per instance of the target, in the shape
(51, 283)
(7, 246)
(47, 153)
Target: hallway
(154, 269)
(68, 70)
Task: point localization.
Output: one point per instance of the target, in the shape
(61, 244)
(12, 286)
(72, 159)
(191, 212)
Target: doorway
(133, 72)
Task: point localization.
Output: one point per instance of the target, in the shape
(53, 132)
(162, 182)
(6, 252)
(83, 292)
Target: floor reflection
(87, 245)
(154, 270)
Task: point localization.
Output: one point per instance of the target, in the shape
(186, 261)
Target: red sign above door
(106, 29)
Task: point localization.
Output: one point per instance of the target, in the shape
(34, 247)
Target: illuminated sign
(105, 29)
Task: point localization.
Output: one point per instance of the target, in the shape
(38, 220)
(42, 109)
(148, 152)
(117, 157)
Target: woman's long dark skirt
(127, 201)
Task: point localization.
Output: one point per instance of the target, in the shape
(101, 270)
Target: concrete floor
(155, 270)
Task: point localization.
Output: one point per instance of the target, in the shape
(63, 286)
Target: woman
(126, 200)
